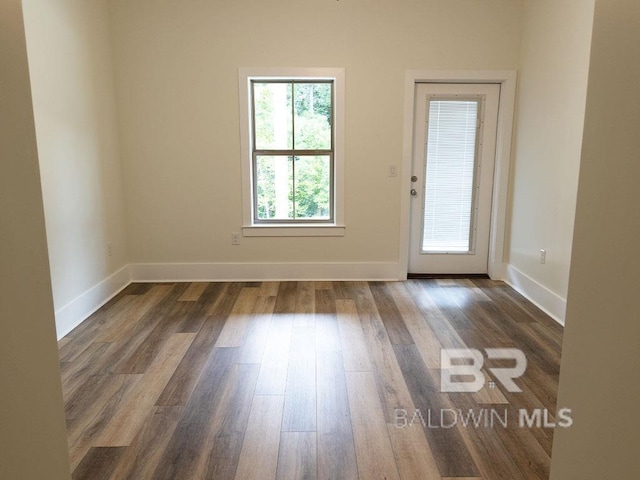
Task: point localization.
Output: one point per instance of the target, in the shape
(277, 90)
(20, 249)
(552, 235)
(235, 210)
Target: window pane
(273, 116)
(312, 116)
(451, 154)
(313, 187)
(274, 187)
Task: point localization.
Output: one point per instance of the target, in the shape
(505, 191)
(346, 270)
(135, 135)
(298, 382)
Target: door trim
(499, 203)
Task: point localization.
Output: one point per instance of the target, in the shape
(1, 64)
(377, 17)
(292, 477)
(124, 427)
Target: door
(452, 177)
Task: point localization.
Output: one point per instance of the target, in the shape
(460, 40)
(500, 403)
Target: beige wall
(74, 104)
(556, 39)
(33, 441)
(600, 376)
(177, 89)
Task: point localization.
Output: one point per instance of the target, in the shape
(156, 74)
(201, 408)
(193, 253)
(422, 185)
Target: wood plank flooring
(306, 380)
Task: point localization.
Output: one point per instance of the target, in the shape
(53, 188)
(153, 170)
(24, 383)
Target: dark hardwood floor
(306, 380)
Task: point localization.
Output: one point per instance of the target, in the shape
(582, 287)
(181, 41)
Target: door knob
(414, 179)
(414, 193)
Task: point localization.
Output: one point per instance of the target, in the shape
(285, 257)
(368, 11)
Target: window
(292, 150)
(291, 123)
(450, 186)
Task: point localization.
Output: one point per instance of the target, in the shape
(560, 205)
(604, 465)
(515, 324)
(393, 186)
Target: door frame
(499, 202)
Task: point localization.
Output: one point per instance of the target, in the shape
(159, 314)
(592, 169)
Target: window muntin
(293, 158)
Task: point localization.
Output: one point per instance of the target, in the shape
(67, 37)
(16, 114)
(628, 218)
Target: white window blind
(449, 177)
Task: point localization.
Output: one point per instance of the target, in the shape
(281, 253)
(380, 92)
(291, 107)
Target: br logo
(468, 362)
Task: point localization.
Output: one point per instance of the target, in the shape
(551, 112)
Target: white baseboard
(212, 272)
(76, 311)
(549, 302)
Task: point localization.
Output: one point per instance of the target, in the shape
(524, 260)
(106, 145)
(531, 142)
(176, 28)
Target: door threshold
(419, 276)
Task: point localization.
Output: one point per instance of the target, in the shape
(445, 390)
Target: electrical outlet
(543, 256)
(109, 249)
(235, 238)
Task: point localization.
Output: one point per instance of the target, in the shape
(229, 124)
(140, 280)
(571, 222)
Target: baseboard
(225, 272)
(76, 311)
(549, 302)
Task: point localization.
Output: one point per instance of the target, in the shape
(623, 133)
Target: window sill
(283, 230)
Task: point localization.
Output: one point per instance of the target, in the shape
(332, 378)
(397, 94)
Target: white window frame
(249, 227)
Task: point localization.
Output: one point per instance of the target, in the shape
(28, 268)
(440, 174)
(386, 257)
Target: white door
(452, 177)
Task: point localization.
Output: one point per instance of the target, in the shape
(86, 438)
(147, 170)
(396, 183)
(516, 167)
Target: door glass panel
(449, 177)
